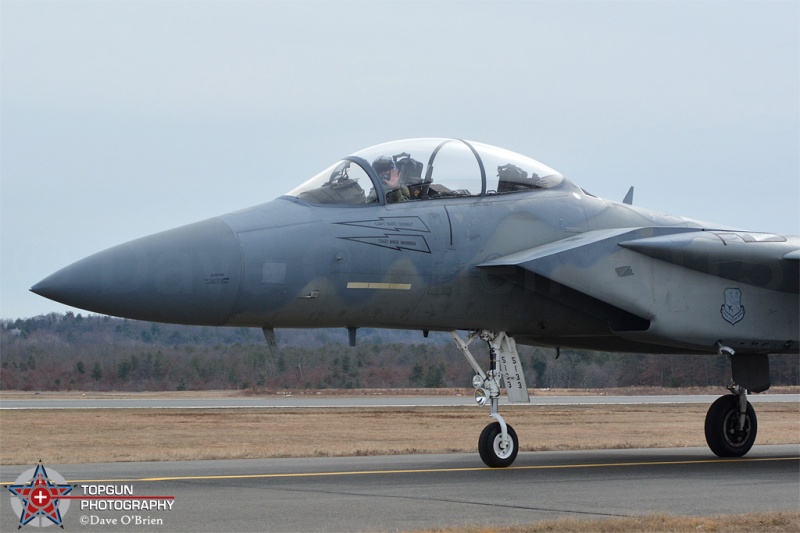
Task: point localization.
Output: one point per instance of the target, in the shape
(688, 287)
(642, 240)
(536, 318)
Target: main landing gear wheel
(726, 435)
(495, 451)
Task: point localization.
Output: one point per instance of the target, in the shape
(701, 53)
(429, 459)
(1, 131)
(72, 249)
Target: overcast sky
(121, 119)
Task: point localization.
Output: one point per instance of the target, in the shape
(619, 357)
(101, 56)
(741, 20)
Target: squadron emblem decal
(732, 310)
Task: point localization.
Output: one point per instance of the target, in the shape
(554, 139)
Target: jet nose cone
(188, 275)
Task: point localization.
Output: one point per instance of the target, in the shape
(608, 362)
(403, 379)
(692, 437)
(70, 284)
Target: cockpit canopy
(425, 169)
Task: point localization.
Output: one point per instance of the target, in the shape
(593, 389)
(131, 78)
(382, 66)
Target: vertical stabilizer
(628, 197)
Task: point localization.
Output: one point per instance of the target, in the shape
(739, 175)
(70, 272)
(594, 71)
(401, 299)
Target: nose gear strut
(498, 444)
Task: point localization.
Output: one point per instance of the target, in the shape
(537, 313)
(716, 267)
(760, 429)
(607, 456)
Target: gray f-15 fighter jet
(451, 235)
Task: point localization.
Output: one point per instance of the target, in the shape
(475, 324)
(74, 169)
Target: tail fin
(628, 197)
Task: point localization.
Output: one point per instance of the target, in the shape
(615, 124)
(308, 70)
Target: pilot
(387, 171)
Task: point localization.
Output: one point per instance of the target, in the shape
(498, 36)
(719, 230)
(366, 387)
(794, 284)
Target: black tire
(722, 427)
(490, 447)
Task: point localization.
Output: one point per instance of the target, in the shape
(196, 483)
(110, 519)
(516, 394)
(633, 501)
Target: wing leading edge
(591, 263)
(760, 259)
(678, 282)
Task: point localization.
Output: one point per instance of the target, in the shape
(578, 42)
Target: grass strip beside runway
(109, 435)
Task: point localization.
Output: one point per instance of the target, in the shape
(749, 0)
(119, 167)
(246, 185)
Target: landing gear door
(510, 368)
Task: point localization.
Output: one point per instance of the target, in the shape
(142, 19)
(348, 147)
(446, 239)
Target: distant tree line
(75, 352)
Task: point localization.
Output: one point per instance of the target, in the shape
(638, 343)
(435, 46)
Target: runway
(323, 401)
(388, 493)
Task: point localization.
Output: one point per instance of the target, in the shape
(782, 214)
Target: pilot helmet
(383, 166)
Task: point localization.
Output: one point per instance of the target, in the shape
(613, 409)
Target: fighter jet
(462, 237)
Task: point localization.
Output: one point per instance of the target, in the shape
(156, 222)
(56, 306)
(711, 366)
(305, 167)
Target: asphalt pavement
(391, 493)
(323, 401)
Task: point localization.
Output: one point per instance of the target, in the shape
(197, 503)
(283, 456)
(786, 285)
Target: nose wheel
(495, 449)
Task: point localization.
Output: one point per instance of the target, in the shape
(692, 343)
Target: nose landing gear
(498, 443)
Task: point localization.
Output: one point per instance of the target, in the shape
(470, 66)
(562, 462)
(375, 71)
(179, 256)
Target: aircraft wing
(760, 259)
(616, 266)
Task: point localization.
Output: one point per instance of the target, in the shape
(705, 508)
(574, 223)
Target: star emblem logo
(37, 494)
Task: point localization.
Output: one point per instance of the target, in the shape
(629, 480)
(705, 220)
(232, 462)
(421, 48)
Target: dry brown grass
(107, 435)
(777, 522)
